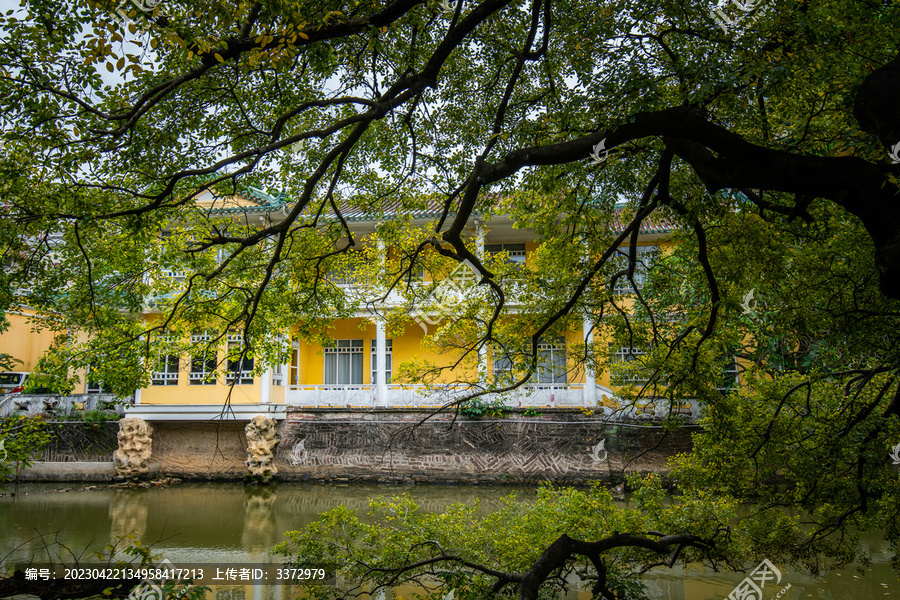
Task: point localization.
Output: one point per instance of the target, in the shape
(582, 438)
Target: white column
(480, 232)
(382, 261)
(265, 386)
(479, 238)
(381, 388)
(137, 392)
(590, 381)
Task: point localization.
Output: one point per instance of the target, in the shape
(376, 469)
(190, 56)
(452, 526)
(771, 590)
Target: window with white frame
(240, 366)
(344, 363)
(620, 356)
(730, 376)
(388, 348)
(174, 274)
(203, 360)
(278, 375)
(93, 385)
(166, 372)
(348, 272)
(551, 368)
(417, 271)
(644, 256)
(171, 272)
(516, 252)
(294, 374)
(503, 366)
(551, 360)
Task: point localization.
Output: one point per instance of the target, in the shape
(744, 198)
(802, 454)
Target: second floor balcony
(602, 400)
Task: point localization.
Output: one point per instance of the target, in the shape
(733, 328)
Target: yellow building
(28, 337)
(359, 370)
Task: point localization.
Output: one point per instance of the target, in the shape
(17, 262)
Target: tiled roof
(657, 222)
(263, 202)
(265, 199)
(428, 207)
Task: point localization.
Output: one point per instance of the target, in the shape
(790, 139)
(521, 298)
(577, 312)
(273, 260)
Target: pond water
(219, 523)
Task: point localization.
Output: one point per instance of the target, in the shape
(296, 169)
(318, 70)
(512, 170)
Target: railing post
(265, 386)
(589, 393)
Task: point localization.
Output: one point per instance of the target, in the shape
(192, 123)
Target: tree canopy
(768, 138)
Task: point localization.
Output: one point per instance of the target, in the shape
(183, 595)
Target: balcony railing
(529, 396)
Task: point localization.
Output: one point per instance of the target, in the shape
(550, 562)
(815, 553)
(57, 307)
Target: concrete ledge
(204, 412)
(69, 471)
(75, 471)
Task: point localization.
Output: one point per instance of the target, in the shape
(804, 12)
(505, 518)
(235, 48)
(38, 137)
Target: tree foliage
(21, 439)
(531, 548)
(766, 146)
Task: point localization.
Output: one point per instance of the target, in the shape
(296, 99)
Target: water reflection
(229, 523)
(127, 515)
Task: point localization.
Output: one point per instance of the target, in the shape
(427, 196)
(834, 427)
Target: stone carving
(298, 454)
(596, 452)
(133, 456)
(262, 440)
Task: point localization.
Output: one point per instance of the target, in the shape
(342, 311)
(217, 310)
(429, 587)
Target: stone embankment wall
(77, 441)
(563, 446)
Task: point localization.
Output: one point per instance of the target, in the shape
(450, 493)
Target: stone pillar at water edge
(262, 440)
(132, 459)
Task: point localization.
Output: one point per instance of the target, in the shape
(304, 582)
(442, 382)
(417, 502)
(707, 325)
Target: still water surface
(222, 523)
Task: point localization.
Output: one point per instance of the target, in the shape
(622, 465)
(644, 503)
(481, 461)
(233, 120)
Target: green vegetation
(21, 439)
(502, 553)
(93, 416)
(769, 149)
(479, 407)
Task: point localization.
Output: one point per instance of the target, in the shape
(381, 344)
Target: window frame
(234, 343)
(731, 376)
(294, 368)
(642, 265)
(352, 348)
(554, 349)
(388, 360)
(164, 376)
(93, 386)
(207, 359)
(517, 252)
(618, 354)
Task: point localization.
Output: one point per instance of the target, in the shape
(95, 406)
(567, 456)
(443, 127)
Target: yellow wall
(22, 342)
(26, 345)
(276, 393)
(186, 393)
(405, 347)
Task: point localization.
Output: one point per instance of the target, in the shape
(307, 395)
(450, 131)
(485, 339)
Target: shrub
(21, 439)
